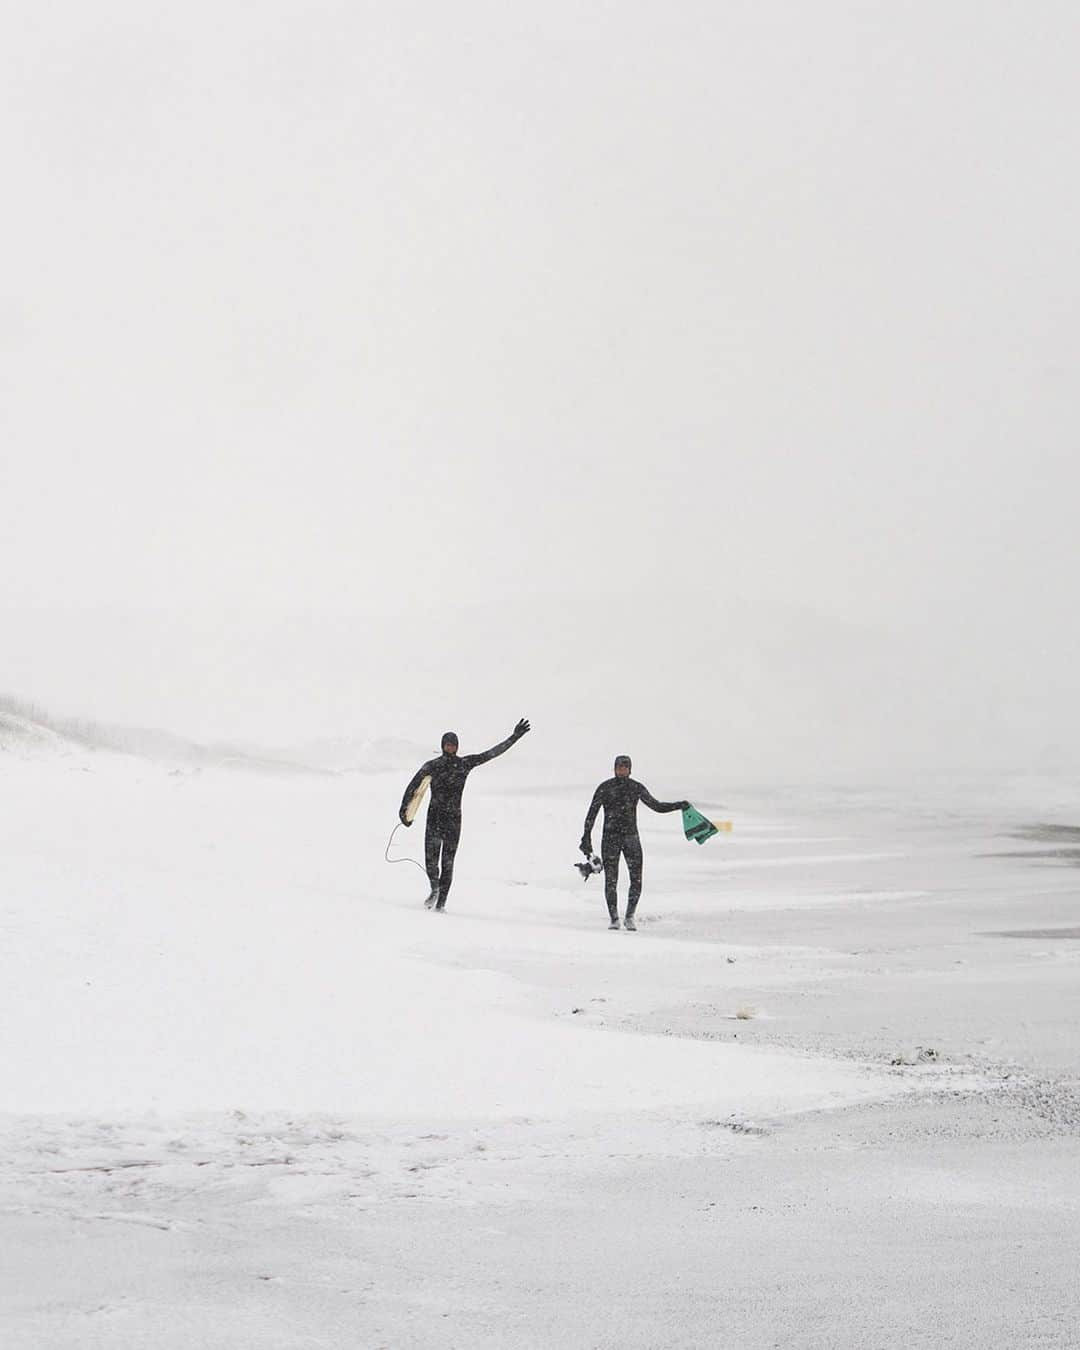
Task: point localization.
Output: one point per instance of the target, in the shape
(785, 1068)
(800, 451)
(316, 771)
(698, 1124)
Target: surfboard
(414, 801)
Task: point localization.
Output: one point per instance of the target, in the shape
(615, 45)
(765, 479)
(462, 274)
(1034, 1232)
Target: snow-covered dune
(29, 731)
(23, 737)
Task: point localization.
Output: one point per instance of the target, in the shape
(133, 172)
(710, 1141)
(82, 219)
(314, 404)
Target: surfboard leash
(388, 858)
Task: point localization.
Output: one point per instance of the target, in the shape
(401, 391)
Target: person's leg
(451, 835)
(635, 863)
(433, 843)
(610, 847)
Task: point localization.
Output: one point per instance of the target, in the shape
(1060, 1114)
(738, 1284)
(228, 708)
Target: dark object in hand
(588, 868)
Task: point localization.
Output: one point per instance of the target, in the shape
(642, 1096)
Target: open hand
(522, 727)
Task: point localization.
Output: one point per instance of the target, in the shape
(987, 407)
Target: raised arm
(471, 761)
(653, 805)
(590, 821)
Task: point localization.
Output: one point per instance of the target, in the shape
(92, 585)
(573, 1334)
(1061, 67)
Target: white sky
(715, 346)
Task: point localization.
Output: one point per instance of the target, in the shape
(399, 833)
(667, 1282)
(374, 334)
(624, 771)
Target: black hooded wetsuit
(448, 774)
(619, 797)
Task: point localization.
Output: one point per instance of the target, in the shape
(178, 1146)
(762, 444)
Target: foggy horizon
(697, 381)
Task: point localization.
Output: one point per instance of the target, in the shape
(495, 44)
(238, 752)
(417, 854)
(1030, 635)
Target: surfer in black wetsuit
(448, 773)
(619, 796)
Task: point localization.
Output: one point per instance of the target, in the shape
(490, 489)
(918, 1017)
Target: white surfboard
(418, 796)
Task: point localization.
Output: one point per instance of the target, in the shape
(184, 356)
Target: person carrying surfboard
(619, 796)
(446, 777)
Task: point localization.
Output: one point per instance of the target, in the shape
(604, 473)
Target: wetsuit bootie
(614, 922)
(629, 924)
(429, 903)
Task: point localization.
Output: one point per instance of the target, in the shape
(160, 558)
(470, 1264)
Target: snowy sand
(255, 1095)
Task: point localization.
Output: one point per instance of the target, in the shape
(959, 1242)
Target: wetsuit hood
(450, 736)
(623, 759)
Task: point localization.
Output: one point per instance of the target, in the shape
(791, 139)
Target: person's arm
(414, 783)
(471, 761)
(590, 820)
(653, 805)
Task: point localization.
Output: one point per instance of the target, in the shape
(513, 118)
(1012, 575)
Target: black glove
(401, 817)
(521, 728)
(586, 845)
(684, 806)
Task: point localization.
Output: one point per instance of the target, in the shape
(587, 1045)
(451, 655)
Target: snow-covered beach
(694, 384)
(255, 1094)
